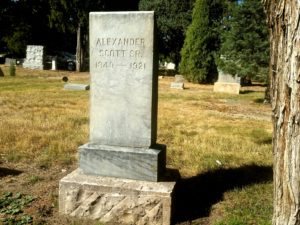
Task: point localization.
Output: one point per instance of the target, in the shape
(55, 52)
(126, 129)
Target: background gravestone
(120, 166)
(227, 83)
(178, 82)
(34, 57)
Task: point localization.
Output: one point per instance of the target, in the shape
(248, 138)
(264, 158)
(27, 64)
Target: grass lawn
(220, 143)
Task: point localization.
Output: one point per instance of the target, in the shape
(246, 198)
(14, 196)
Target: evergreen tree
(173, 18)
(245, 45)
(202, 42)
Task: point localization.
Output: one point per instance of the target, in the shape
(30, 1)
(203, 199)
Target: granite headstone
(178, 82)
(227, 83)
(34, 57)
(119, 168)
(123, 111)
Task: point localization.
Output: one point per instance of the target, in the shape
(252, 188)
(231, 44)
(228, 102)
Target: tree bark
(79, 50)
(284, 22)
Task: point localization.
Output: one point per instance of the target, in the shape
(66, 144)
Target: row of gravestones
(35, 58)
(226, 83)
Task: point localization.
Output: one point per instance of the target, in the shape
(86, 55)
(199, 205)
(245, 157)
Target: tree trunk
(284, 23)
(79, 49)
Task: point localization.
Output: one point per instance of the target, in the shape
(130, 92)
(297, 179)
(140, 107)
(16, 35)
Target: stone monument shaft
(123, 99)
(124, 82)
(119, 169)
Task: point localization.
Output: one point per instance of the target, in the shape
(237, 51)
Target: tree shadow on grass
(195, 196)
(9, 172)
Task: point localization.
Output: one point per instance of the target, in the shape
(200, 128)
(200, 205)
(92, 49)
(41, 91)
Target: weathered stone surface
(34, 57)
(114, 200)
(123, 122)
(77, 87)
(177, 85)
(123, 79)
(230, 88)
(179, 78)
(131, 163)
(228, 78)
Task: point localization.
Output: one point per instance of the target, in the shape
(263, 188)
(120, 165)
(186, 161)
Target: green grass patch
(240, 209)
(12, 209)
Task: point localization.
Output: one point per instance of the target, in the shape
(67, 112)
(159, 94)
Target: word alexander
(109, 41)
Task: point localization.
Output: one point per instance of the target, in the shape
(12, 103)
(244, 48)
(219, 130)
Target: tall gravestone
(119, 169)
(34, 57)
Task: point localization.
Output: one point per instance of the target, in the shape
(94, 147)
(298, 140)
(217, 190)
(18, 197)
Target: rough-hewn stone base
(114, 200)
(230, 88)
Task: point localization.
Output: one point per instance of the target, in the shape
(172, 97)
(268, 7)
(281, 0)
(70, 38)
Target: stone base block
(230, 88)
(123, 162)
(115, 200)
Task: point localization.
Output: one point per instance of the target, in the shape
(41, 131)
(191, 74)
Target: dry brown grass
(39, 119)
(43, 125)
(201, 127)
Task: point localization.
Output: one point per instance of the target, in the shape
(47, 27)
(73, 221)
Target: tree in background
(173, 18)
(22, 22)
(245, 45)
(284, 73)
(202, 42)
(71, 16)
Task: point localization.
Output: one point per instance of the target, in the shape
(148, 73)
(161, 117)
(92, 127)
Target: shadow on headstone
(1, 73)
(195, 196)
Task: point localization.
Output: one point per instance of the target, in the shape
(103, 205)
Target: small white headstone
(171, 66)
(178, 82)
(77, 87)
(176, 85)
(227, 83)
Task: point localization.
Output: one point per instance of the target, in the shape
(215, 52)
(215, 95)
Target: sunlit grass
(40, 120)
(239, 208)
(42, 124)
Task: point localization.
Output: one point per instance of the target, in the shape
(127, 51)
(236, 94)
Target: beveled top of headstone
(123, 79)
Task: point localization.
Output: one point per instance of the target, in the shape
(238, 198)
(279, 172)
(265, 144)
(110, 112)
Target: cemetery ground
(220, 143)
